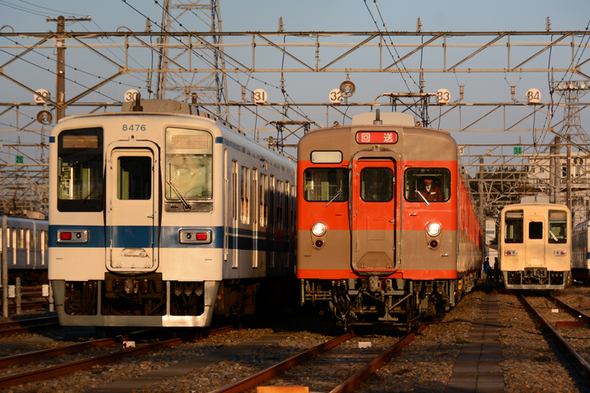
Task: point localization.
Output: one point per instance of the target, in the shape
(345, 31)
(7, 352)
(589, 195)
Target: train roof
(516, 206)
(410, 140)
(386, 118)
(181, 110)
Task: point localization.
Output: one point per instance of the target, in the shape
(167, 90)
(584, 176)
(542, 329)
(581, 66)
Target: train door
(373, 216)
(132, 216)
(535, 244)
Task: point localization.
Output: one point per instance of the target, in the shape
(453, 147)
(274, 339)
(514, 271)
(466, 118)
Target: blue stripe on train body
(139, 237)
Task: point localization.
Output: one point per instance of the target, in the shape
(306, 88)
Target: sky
(317, 15)
(306, 15)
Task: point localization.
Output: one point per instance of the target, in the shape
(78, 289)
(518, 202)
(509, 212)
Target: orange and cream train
(386, 227)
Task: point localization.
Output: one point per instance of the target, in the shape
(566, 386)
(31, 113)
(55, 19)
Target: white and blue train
(581, 252)
(26, 249)
(159, 217)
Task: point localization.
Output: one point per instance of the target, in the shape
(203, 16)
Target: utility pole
(60, 83)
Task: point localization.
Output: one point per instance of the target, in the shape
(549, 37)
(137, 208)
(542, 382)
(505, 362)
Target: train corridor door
(132, 200)
(535, 244)
(373, 216)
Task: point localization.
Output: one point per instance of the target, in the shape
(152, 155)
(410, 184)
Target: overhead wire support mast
(242, 55)
(60, 110)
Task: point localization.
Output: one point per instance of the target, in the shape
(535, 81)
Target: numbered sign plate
(259, 96)
(336, 96)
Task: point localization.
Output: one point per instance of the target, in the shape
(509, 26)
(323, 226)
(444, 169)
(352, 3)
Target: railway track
(314, 364)
(20, 377)
(568, 326)
(28, 325)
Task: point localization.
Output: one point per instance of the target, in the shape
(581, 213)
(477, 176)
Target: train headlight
(318, 229)
(434, 229)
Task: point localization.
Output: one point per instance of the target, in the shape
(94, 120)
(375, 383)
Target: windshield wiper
(334, 197)
(88, 195)
(422, 196)
(184, 202)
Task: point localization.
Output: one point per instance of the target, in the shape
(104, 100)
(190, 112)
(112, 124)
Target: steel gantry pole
(60, 82)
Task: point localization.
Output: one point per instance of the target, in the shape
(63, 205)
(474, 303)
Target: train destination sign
(80, 141)
(189, 142)
(376, 137)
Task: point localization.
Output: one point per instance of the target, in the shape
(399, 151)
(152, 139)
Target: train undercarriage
(535, 278)
(120, 296)
(147, 300)
(374, 300)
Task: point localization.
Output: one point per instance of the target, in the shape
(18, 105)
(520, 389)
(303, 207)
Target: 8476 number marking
(134, 127)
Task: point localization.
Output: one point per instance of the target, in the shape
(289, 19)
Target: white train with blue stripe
(581, 252)
(159, 217)
(26, 248)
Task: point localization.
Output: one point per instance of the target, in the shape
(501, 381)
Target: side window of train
(263, 200)
(80, 171)
(280, 203)
(245, 195)
(513, 226)
(431, 184)
(557, 226)
(20, 238)
(325, 184)
(293, 207)
(189, 169)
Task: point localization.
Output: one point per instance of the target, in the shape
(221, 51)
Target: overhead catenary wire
(211, 63)
(57, 12)
(395, 60)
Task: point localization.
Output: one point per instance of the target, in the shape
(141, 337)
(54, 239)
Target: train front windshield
(427, 184)
(557, 226)
(326, 184)
(80, 171)
(514, 226)
(189, 168)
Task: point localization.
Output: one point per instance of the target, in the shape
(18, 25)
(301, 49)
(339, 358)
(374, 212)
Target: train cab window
(427, 184)
(80, 170)
(376, 184)
(134, 178)
(325, 184)
(557, 226)
(513, 226)
(189, 170)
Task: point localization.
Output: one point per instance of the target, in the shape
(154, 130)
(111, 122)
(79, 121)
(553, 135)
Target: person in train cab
(431, 191)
